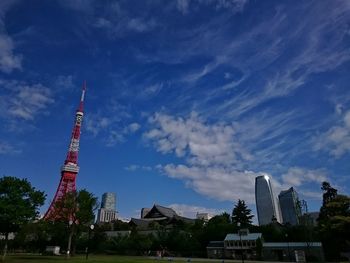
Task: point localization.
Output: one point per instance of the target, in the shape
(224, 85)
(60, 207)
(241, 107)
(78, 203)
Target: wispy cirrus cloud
(278, 58)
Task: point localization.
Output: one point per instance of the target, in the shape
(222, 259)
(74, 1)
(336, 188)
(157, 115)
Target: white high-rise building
(265, 202)
(107, 212)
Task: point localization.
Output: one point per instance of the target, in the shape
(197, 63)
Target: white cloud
(151, 90)
(202, 143)
(216, 165)
(95, 123)
(110, 127)
(212, 153)
(6, 148)
(224, 184)
(117, 21)
(233, 5)
(336, 140)
(295, 63)
(191, 211)
(135, 167)
(182, 6)
(103, 23)
(133, 127)
(8, 60)
(141, 25)
(297, 176)
(85, 6)
(24, 101)
(114, 137)
(64, 82)
(311, 194)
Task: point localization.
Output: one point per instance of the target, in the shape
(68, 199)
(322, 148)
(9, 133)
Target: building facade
(242, 245)
(203, 216)
(107, 212)
(109, 201)
(158, 215)
(265, 202)
(290, 207)
(293, 251)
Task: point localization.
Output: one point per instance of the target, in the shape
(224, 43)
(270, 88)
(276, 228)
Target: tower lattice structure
(70, 168)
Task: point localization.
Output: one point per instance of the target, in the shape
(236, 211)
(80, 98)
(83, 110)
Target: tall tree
(76, 209)
(329, 193)
(334, 222)
(242, 214)
(19, 203)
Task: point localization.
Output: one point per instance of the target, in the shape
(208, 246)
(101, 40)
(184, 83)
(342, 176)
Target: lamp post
(240, 239)
(70, 226)
(288, 246)
(87, 247)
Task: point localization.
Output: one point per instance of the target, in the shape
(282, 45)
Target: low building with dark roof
(159, 215)
(251, 246)
(242, 244)
(216, 249)
(293, 251)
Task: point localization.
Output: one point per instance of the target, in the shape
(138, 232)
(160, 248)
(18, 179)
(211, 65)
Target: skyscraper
(265, 204)
(290, 208)
(107, 212)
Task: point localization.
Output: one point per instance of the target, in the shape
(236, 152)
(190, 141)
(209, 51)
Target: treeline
(179, 239)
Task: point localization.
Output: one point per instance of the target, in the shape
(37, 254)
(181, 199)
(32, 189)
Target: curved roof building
(265, 204)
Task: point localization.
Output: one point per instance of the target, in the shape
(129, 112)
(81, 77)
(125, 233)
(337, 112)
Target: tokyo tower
(70, 168)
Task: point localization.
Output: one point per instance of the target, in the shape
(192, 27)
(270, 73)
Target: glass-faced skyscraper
(265, 204)
(290, 208)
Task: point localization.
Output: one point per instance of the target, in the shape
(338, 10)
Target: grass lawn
(92, 259)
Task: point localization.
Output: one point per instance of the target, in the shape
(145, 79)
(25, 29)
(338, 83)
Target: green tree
(329, 193)
(76, 208)
(19, 203)
(334, 222)
(218, 227)
(242, 214)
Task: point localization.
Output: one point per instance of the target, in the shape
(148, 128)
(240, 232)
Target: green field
(96, 259)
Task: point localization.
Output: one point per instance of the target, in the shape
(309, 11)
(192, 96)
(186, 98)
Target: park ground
(107, 259)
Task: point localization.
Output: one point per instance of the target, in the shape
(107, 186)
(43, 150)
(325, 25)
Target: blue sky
(187, 102)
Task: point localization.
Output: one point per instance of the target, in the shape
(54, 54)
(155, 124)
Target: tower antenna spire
(70, 168)
(81, 104)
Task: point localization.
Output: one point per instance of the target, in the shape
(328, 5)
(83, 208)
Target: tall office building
(107, 212)
(291, 210)
(265, 202)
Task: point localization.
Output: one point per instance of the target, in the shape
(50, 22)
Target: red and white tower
(70, 167)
